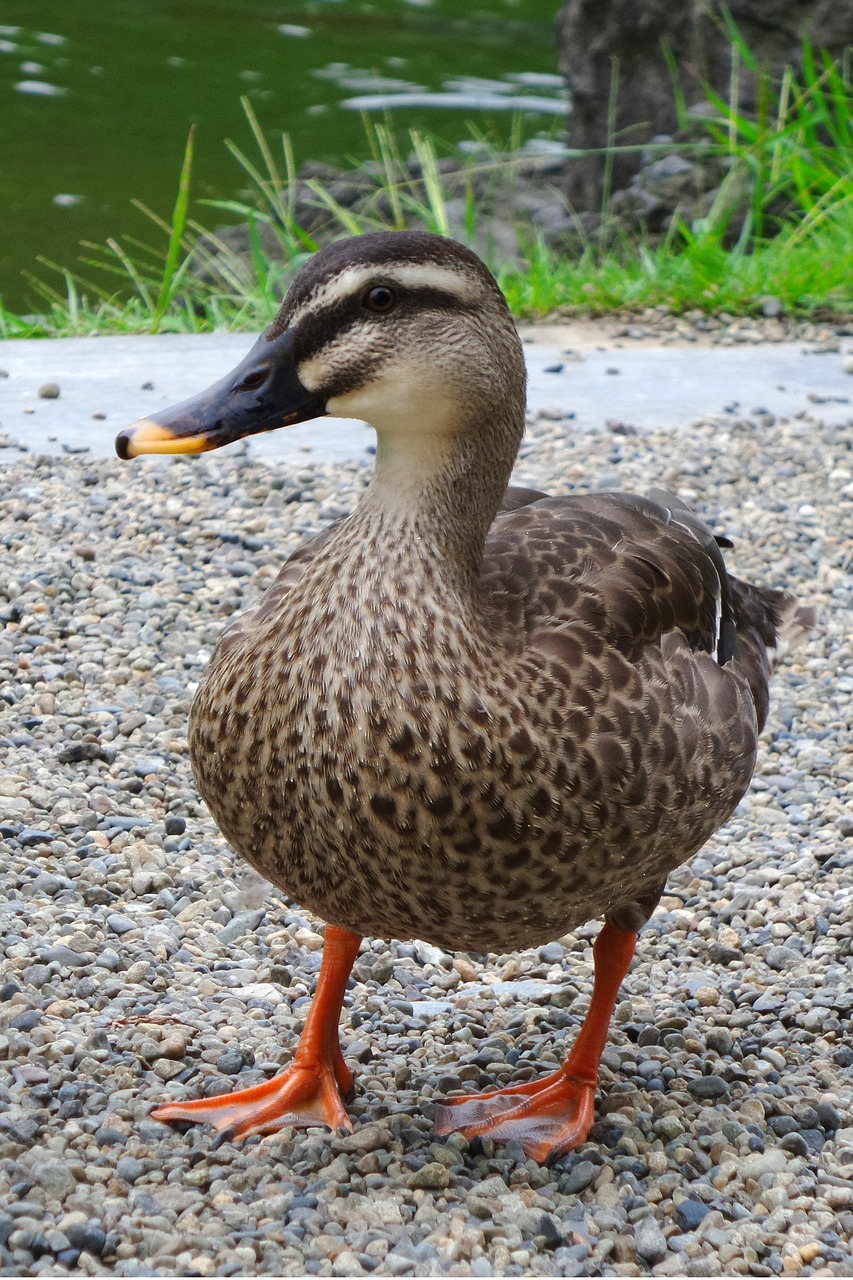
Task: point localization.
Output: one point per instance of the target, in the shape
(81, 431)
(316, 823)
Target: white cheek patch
(401, 400)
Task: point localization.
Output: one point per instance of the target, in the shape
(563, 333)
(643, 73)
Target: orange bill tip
(147, 436)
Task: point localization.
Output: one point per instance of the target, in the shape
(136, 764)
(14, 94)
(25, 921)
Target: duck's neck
(433, 497)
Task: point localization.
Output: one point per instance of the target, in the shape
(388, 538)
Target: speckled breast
(405, 794)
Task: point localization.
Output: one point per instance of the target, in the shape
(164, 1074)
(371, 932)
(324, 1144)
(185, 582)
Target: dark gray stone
(829, 1117)
(550, 1231)
(708, 1089)
(80, 752)
(724, 955)
(27, 1020)
(31, 837)
(768, 1004)
(815, 1139)
(119, 924)
(106, 1137)
(230, 1062)
(64, 956)
(690, 1213)
(783, 1125)
(126, 822)
(47, 885)
(129, 1169)
(88, 1236)
(719, 1040)
(578, 1178)
(243, 922)
(780, 958)
(795, 1143)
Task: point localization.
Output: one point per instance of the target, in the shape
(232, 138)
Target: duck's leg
(550, 1116)
(310, 1091)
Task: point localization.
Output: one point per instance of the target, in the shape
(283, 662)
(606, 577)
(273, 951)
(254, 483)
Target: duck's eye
(380, 299)
(254, 380)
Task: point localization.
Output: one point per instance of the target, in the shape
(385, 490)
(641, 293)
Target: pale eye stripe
(408, 275)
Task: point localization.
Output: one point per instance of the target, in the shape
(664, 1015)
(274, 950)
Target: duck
(470, 714)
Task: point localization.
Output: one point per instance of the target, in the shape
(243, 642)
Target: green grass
(782, 225)
(811, 276)
(793, 158)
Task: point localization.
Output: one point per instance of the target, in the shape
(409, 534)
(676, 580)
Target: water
(98, 97)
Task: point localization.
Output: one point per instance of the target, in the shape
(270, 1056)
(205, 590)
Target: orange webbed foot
(552, 1115)
(548, 1117)
(302, 1096)
(311, 1091)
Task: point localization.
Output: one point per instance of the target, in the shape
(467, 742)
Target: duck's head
(404, 330)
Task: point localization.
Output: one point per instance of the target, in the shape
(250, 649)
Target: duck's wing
(620, 564)
(516, 497)
(626, 603)
(629, 571)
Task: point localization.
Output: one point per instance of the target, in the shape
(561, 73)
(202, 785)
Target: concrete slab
(107, 383)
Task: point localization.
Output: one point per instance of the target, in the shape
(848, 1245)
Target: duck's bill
(262, 393)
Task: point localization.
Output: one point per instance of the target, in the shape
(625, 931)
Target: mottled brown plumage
(474, 726)
(485, 773)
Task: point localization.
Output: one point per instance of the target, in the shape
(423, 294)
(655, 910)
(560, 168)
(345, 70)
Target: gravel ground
(664, 327)
(142, 961)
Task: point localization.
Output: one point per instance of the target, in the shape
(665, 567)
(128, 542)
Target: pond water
(98, 97)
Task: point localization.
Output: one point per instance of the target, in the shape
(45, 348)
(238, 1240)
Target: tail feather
(794, 622)
(768, 623)
(757, 625)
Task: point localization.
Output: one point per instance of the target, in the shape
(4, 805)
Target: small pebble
(432, 1177)
(579, 1178)
(174, 1045)
(650, 1241)
(780, 958)
(689, 1213)
(710, 1088)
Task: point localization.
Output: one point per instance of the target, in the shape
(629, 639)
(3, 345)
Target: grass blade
(133, 274)
(171, 275)
(439, 220)
(345, 217)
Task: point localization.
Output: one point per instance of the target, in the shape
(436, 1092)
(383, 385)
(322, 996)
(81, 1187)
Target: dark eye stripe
(317, 328)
